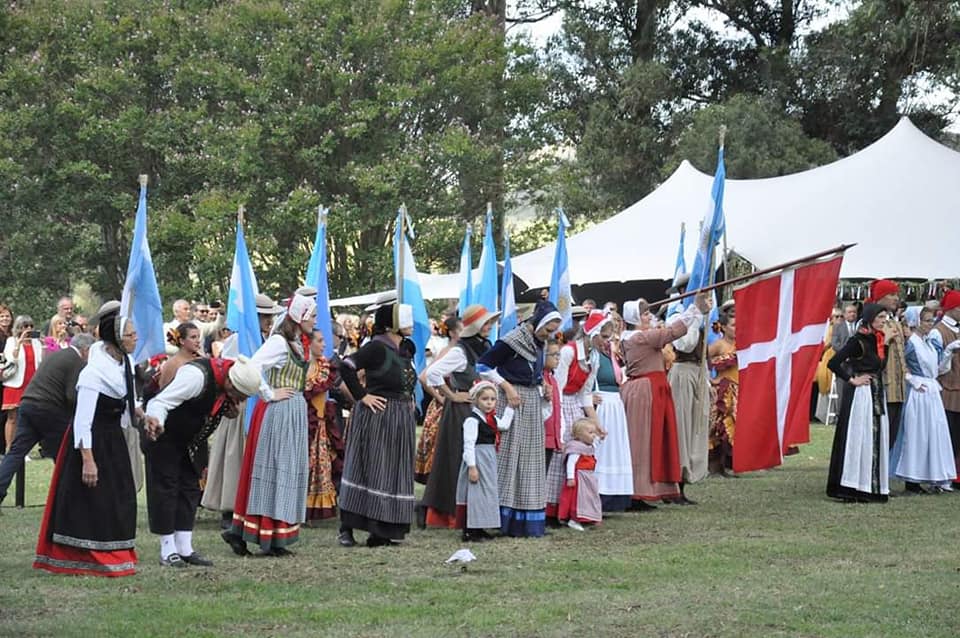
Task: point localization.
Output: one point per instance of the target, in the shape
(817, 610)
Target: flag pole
(240, 212)
(766, 271)
(400, 256)
(143, 180)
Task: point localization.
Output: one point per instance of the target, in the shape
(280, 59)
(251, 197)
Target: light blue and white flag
(140, 302)
(487, 289)
(679, 269)
(409, 292)
(710, 234)
(317, 277)
(242, 301)
(466, 273)
(508, 320)
(560, 295)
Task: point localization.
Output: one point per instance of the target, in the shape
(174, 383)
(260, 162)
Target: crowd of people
(538, 428)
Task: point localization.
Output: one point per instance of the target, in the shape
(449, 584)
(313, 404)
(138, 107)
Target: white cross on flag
(781, 323)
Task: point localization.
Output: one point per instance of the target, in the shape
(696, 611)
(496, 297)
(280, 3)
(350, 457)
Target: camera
(33, 334)
(72, 324)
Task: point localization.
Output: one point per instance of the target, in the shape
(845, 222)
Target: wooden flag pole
(240, 211)
(766, 271)
(143, 180)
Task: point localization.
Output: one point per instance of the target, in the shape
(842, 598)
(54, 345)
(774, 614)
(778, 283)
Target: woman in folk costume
(376, 492)
(858, 461)
(580, 499)
(648, 401)
(326, 445)
(226, 447)
(478, 501)
(923, 452)
(427, 444)
(722, 358)
(272, 489)
(90, 520)
(453, 375)
(576, 375)
(614, 469)
(515, 364)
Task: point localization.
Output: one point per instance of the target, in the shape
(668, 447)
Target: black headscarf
(870, 312)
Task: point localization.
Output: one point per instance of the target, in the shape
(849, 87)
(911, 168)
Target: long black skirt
(441, 491)
(376, 491)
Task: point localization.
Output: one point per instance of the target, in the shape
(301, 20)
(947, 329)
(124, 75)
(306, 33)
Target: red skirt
(266, 532)
(664, 443)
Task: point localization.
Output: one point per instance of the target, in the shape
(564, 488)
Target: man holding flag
(688, 377)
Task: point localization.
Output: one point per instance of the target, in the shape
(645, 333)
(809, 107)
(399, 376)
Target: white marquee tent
(898, 200)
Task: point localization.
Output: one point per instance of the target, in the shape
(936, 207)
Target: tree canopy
(364, 105)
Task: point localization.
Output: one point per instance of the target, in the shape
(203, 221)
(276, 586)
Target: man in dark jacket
(47, 407)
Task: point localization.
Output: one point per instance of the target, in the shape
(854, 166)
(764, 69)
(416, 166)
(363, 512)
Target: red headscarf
(220, 369)
(950, 301)
(881, 288)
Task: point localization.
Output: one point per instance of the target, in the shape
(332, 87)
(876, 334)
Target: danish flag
(781, 323)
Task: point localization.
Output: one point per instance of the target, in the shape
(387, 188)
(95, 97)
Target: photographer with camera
(22, 354)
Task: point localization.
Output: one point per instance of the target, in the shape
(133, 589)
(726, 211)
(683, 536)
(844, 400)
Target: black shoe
(641, 506)
(686, 501)
(236, 543)
(198, 559)
(173, 560)
(345, 538)
(279, 552)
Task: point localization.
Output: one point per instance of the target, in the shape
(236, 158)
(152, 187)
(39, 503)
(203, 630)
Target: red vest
(576, 376)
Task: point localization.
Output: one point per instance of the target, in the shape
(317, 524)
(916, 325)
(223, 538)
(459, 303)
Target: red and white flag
(781, 323)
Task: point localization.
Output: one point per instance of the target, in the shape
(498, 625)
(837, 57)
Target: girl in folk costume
(226, 447)
(427, 445)
(576, 376)
(272, 488)
(614, 466)
(552, 421)
(580, 499)
(722, 358)
(376, 493)
(648, 401)
(923, 450)
(858, 462)
(515, 364)
(453, 375)
(90, 520)
(478, 502)
(325, 449)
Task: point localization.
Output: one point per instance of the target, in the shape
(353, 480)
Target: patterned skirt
(426, 446)
(272, 490)
(321, 489)
(478, 503)
(520, 467)
(723, 414)
(376, 492)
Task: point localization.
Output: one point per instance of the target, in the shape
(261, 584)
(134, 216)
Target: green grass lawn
(762, 555)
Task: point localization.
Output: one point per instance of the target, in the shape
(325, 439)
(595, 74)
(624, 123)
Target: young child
(580, 498)
(552, 424)
(478, 501)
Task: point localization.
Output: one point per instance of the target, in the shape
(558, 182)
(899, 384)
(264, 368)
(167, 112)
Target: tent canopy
(896, 199)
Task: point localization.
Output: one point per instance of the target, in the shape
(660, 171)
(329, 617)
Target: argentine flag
(508, 320)
(560, 294)
(409, 292)
(466, 273)
(140, 301)
(710, 234)
(317, 277)
(486, 291)
(242, 301)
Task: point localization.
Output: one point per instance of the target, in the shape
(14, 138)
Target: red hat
(595, 322)
(950, 300)
(881, 288)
